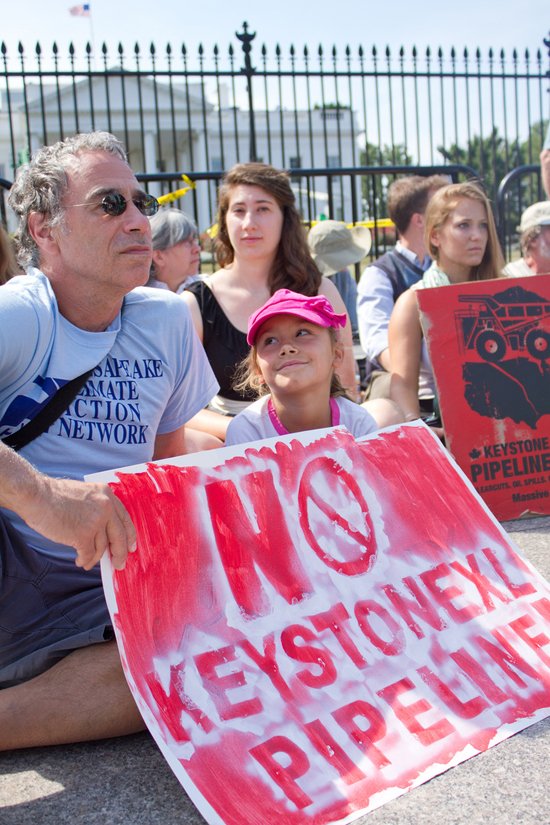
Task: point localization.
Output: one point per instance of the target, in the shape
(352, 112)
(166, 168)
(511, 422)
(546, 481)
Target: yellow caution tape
(382, 223)
(173, 196)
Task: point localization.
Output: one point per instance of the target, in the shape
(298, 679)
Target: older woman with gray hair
(176, 250)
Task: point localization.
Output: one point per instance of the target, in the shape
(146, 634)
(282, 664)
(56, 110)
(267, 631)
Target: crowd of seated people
(446, 234)
(268, 310)
(262, 247)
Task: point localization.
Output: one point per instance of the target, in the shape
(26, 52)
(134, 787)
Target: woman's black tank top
(225, 345)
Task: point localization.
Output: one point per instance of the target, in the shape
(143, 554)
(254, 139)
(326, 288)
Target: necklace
(281, 430)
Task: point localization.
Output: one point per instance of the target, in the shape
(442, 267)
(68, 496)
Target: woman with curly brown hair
(261, 247)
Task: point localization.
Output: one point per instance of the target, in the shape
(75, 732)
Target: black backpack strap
(48, 415)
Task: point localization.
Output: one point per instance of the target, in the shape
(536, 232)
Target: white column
(205, 219)
(151, 162)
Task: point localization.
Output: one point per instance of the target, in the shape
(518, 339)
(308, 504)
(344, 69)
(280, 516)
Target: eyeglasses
(114, 204)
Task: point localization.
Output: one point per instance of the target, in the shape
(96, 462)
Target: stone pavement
(127, 782)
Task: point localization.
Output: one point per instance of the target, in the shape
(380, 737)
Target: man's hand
(87, 516)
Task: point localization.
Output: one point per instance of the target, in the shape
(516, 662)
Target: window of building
(295, 163)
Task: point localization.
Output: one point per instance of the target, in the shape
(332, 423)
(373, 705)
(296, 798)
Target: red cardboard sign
(489, 346)
(311, 626)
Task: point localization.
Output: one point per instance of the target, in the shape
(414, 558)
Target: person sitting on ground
(136, 374)
(334, 248)
(261, 247)
(383, 281)
(461, 237)
(534, 240)
(293, 362)
(176, 251)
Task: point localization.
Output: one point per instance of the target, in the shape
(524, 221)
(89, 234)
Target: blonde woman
(461, 238)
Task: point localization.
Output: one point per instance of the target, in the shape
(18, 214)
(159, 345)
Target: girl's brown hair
(248, 374)
(293, 267)
(441, 205)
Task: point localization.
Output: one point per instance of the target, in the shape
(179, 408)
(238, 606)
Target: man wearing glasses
(137, 374)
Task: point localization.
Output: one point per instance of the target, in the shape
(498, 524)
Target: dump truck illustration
(505, 324)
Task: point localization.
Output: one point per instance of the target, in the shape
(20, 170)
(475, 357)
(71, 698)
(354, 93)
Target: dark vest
(401, 272)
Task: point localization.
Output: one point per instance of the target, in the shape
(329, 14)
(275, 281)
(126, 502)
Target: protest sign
(489, 346)
(312, 625)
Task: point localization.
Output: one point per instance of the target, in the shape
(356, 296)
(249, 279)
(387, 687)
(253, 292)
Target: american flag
(80, 11)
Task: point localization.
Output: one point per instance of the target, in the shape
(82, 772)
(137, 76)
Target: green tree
(374, 188)
(486, 155)
(493, 158)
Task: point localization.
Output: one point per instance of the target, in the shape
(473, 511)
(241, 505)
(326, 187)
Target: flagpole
(85, 10)
(92, 39)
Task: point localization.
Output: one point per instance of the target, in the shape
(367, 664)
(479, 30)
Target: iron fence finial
(248, 69)
(246, 39)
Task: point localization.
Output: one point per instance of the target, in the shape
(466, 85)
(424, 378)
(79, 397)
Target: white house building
(175, 128)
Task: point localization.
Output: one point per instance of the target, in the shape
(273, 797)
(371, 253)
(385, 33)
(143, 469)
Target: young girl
(295, 352)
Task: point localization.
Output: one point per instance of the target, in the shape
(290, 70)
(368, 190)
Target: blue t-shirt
(151, 376)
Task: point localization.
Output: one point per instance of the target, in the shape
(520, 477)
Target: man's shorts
(48, 608)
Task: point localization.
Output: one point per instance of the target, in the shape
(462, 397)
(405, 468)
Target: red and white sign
(489, 346)
(312, 625)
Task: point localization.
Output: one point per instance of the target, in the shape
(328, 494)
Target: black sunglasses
(114, 204)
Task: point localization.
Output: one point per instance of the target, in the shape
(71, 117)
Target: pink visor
(315, 308)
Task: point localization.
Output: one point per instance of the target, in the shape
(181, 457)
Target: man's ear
(41, 232)
(417, 220)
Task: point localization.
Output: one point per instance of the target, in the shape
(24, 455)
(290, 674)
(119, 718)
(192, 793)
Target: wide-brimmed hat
(334, 247)
(314, 308)
(536, 215)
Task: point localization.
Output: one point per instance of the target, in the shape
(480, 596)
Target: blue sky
(496, 23)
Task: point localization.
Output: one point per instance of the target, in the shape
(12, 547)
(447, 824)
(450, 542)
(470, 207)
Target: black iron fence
(309, 108)
(180, 110)
(519, 189)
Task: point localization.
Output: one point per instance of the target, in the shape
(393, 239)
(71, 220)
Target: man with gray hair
(534, 241)
(95, 373)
